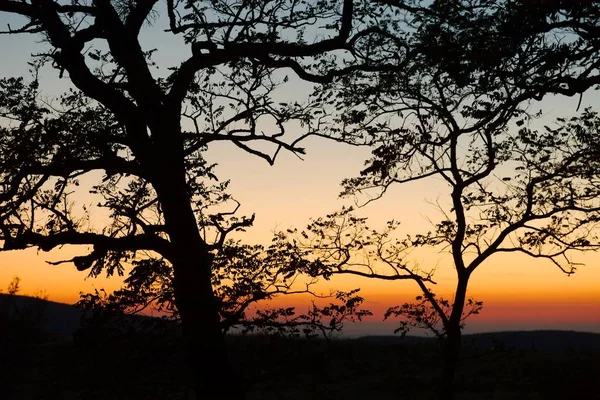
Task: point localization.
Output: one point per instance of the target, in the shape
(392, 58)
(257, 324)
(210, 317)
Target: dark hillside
(57, 318)
(142, 365)
(544, 341)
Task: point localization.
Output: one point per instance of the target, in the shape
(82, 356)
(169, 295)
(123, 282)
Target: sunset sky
(518, 292)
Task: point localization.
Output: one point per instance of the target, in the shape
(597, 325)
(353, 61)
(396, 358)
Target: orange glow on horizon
(512, 295)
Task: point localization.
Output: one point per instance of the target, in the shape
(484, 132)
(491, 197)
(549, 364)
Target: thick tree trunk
(206, 355)
(454, 340)
(207, 360)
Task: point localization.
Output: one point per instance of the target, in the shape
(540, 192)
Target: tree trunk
(208, 366)
(454, 339)
(206, 356)
(450, 364)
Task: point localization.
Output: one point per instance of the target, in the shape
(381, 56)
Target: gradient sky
(518, 293)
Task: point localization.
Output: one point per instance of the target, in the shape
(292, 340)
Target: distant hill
(63, 320)
(542, 340)
(58, 318)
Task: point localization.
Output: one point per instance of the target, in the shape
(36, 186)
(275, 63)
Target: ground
(146, 367)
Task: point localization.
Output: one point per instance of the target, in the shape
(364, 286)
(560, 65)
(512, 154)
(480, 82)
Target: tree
(121, 125)
(530, 192)
(136, 138)
(457, 109)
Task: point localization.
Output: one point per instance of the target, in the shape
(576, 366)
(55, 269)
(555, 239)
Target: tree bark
(207, 361)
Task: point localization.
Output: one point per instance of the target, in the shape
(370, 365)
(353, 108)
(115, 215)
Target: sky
(518, 292)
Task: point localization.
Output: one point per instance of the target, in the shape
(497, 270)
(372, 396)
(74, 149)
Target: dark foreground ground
(147, 367)
(39, 360)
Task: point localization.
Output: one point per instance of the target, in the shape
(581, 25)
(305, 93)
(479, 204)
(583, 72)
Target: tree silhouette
(530, 192)
(448, 97)
(134, 137)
